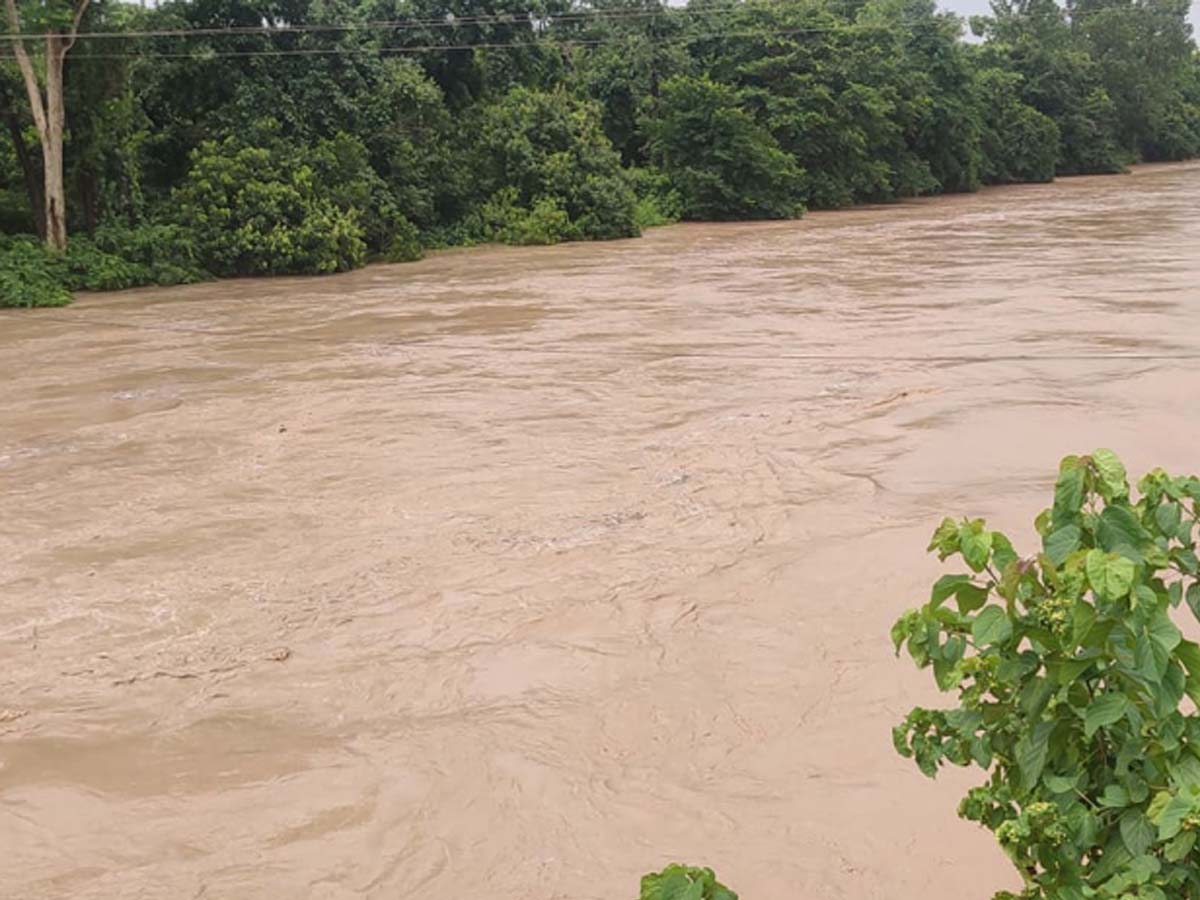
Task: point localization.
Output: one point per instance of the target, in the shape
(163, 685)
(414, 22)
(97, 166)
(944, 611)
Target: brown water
(512, 574)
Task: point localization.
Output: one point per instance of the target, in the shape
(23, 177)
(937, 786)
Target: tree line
(205, 138)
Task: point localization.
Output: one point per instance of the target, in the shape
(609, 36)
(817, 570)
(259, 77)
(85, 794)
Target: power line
(412, 24)
(562, 43)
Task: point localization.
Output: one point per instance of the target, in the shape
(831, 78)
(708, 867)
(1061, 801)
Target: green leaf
(991, 626)
(1193, 598)
(1083, 616)
(1137, 832)
(1031, 753)
(1170, 820)
(975, 542)
(1003, 554)
(1180, 847)
(1157, 805)
(1188, 653)
(1060, 784)
(945, 539)
(677, 882)
(1104, 711)
(1120, 532)
(1068, 670)
(1114, 797)
(1110, 576)
(1061, 543)
(1163, 631)
(1167, 517)
(1145, 596)
(1113, 481)
(1151, 659)
(1068, 492)
(947, 586)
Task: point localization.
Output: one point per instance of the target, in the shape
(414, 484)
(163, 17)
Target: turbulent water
(515, 573)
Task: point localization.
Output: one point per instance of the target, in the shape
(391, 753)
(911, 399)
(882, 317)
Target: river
(518, 572)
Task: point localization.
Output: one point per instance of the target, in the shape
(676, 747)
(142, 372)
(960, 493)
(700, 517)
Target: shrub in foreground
(27, 279)
(1071, 679)
(677, 882)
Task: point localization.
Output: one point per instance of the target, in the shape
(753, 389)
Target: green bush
(1018, 143)
(545, 222)
(1070, 675)
(723, 164)
(265, 211)
(677, 882)
(658, 203)
(85, 267)
(546, 153)
(165, 253)
(29, 276)
(405, 243)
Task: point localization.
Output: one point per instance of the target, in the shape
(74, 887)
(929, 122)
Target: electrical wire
(412, 24)
(535, 41)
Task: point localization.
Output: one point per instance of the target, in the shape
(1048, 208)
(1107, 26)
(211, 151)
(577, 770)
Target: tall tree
(58, 22)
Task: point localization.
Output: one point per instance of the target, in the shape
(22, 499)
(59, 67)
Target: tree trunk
(49, 115)
(52, 144)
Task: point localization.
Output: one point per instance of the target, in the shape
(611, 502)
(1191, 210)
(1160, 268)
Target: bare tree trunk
(49, 115)
(52, 144)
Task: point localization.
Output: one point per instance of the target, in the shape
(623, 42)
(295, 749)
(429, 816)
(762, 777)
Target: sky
(979, 7)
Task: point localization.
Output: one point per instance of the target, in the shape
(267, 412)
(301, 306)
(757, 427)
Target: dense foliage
(677, 882)
(270, 136)
(1076, 689)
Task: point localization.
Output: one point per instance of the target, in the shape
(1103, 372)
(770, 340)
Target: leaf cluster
(1076, 690)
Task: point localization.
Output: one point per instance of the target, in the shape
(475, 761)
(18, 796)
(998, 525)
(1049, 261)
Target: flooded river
(515, 573)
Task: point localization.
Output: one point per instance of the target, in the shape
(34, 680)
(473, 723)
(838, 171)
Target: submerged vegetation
(1075, 687)
(238, 137)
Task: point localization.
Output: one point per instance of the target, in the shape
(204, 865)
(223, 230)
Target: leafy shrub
(1018, 143)
(677, 882)
(85, 267)
(658, 203)
(264, 211)
(548, 152)
(721, 161)
(1070, 674)
(405, 244)
(546, 222)
(28, 276)
(166, 253)
(342, 167)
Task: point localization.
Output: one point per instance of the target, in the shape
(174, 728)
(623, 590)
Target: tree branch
(32, 88)
(80, 9)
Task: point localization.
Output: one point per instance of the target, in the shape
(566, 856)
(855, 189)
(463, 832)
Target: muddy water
(517, 572)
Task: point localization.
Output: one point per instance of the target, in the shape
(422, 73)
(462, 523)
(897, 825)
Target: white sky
(977, 7)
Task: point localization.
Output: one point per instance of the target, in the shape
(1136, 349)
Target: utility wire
(535, 41)
(412, 24)
(532, 18)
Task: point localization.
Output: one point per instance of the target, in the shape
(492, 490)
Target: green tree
(56, 24)
(1018, 143)
(264, 211)
(723, 163)
(549, 146)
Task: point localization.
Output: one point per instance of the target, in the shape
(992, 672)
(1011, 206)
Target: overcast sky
(976, 7)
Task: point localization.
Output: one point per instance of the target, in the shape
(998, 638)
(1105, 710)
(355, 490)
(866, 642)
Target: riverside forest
(217, 138)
